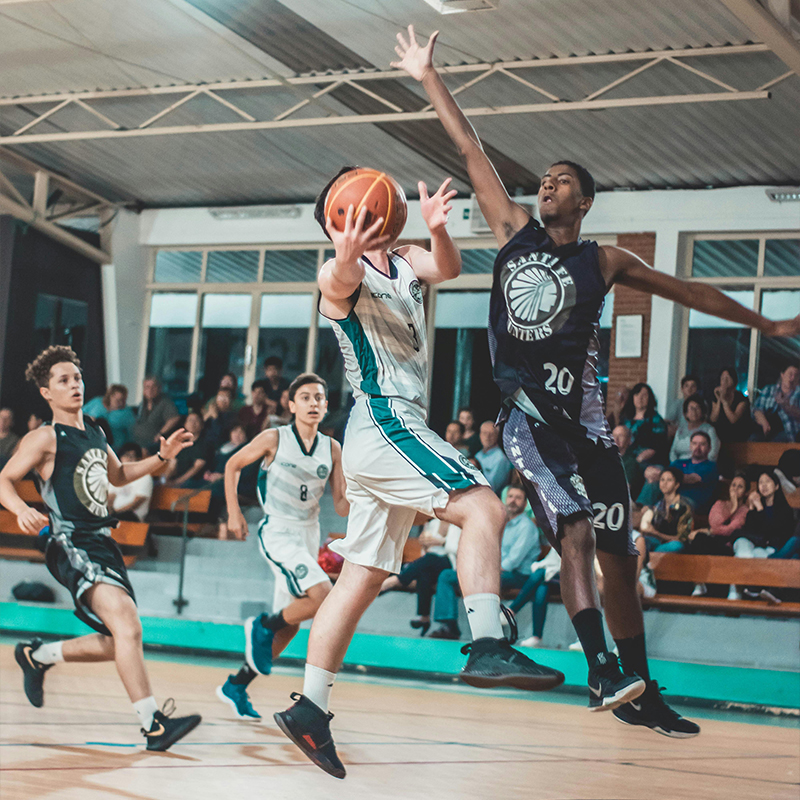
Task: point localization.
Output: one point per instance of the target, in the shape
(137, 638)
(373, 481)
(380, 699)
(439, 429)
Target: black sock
(633, 656)
(274, 622)
(244, 676)
(589, 627)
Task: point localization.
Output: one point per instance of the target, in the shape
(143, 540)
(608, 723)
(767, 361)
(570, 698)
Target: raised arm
(35, 450)
(504, 216)
(622, 266)
(338, 484)
(263, 446)
(119, 474)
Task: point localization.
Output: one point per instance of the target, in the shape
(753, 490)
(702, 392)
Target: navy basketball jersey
(77, 492)
(543, 323)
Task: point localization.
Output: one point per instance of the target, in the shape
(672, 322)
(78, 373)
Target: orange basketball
(379, 192)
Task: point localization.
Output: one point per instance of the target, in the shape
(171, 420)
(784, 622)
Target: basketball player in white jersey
(296, 463)
(395, 466)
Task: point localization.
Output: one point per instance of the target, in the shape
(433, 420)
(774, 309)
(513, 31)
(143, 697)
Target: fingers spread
(423, 190)
(445, 184)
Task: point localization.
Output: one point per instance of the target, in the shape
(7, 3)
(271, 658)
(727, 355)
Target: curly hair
(38, 371)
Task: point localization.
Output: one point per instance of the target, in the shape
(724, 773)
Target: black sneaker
(651, 711)
(494, 662)
(609, 687)
(309, 727)
(32, 671)
(165, 730)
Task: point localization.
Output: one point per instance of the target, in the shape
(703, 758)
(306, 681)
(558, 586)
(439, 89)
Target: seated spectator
(255, 417)
(8, 439)
(700, 475)
(521, 546)
(237, 439)
(492, 460)
(439, 542)
(219, 419)
(633, 472)
(115, 411)
(769, 522)
(454, 435)
(282, 415)
(544, 573)
(730, 409)
(273, 381)
(472, 440)
(187, 468)
(667, 525)
(648, 430)
(776, 410)
(132, 501)
(157, 416)
(689, 386)
(694, 419)
(615, 406)
(228, 381)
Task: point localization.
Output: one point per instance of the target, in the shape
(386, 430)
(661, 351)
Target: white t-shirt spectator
(125, 495)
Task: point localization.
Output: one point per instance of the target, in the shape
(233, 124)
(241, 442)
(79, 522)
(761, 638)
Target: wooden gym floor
(397, 739)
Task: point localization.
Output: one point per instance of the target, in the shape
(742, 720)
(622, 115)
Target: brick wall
(628, 371)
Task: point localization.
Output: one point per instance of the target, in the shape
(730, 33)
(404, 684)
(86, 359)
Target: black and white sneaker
(32, 671)
(494, 662)
(309, 727)
(609, 687)
(651, 711)
(166, 730)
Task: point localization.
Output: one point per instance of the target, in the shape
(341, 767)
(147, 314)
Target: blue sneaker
(258, 646)
(235, 695)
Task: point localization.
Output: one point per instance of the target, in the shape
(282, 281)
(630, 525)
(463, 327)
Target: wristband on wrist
(160, 457)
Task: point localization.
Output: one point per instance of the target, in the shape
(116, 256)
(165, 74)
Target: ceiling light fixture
(255, 212)
(784, 195)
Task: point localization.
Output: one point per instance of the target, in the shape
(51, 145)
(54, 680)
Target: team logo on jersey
(465, 462)
(539, 294)
(577, 482)
(416, 291)
(90, 481)
(322, 472)
(301, 571)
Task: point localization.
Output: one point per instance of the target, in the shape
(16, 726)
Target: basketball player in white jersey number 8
(396, 467)
(296, 462)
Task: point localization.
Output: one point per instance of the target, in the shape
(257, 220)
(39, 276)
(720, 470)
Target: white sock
(317, 686)
(49, 653)
(483, 615)
(145, 709)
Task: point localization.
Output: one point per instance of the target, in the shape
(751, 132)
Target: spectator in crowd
(114, 409)
(237, 439)
(648, 429)
(131, 501)
(439, 542)
(273, 381)
(454, 435)
(633, 472)
(544, 573)
(492, 460)
(788, 473)
(34, 422)
(615, 406)
(776, 410)
(228, 381)
(689, 386)
(521, 546)
(472, 439)
(187, 468)
(730, 409)
(667, 525)
(8, 439)
(255, 417)
(157, 415)
(694, 419)
(700, 474)
(282, 414)
(769, 522)
(219, 418)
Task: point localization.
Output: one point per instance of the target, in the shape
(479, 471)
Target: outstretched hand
(169, 448)
(351, 243)
(436, 208)
(786, 327)
(415, 60)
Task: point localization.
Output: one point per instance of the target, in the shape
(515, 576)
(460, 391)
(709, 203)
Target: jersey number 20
(559, 381)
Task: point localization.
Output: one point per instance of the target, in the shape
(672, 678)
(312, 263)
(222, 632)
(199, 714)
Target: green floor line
(761, 687)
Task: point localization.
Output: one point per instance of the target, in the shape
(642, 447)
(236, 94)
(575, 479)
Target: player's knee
(578, 537)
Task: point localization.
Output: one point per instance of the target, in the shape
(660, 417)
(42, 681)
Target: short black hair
(686, 378)
(732, 372)
(701, 433)
(131, 447)
(459, 423)
(675, 472)
(588, 186)
(273, 361)
(695, 398)
(304, 380)
(788, 363)
(319, 206)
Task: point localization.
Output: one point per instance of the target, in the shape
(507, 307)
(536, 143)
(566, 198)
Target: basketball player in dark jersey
(547, 294)
(74, 464)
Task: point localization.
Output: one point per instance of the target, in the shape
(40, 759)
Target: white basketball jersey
(291, 486)
(384, 338)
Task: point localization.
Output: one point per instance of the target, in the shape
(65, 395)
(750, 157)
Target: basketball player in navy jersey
(547, 294)
(74, 464)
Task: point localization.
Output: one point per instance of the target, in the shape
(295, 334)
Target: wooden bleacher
(725, 570)
(165, 520)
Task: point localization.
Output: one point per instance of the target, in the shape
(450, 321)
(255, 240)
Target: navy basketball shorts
(569, 480)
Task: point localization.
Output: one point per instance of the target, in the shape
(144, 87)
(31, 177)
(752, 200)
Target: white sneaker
(648, 582)
(531, 641)
(699, 590)
(734, 593)
(577, 646)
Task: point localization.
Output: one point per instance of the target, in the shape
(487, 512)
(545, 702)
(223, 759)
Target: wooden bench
(725, 570)
(165, 520)
(764, 453)
(29, 493)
